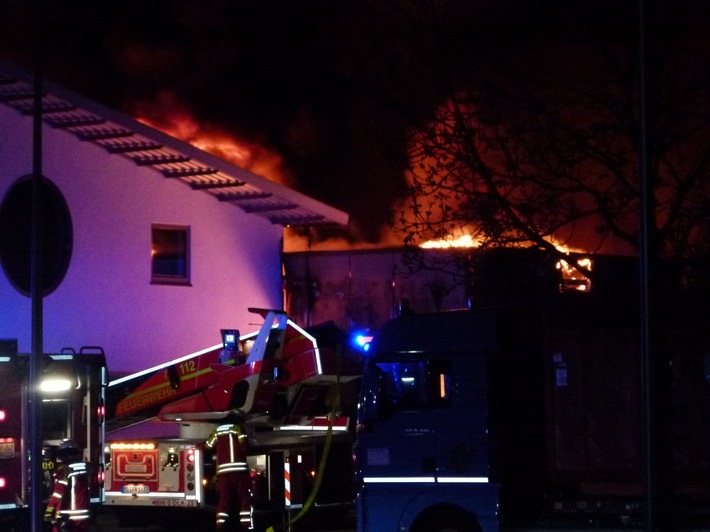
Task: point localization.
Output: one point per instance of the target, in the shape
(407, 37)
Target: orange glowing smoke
(173, 118)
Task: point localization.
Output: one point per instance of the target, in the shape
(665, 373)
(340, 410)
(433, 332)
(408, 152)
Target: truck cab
(422, 437)
(72, 386)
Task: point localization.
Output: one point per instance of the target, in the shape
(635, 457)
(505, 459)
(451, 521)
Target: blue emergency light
(362, 341)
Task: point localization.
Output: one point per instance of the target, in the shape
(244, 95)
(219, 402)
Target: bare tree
(534, 135)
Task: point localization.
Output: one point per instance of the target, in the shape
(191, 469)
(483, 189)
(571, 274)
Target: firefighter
(68, 507)
(233, 478)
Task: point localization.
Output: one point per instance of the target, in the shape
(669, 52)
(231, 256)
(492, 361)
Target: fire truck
(72, 388)
(294, 390)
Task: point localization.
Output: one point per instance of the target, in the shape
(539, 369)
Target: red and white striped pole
(287, 481)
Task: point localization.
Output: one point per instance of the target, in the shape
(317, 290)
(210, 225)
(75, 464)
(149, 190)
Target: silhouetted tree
(524, 123)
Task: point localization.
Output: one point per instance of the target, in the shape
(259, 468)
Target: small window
(56, 420)
(170, 254)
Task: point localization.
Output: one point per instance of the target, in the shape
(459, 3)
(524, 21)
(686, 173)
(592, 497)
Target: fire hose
(319, 474)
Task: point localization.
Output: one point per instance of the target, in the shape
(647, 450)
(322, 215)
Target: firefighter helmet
(67, 448)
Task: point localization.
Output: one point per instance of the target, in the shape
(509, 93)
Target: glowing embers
(571, 279)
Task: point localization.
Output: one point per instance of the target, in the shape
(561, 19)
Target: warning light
(132, 446)
(2, 482)
(2, 415)
(55, 384)
(361, 340)
(191, 456)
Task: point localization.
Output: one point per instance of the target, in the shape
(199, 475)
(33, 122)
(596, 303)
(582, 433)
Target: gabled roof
(123, 136)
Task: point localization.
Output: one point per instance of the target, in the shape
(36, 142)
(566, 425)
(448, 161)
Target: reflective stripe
(413, 480)
(463, 480)
(397, 480)
(74, 515)
(76, 469)
(118, 494)
(287, 483)
(232, 467)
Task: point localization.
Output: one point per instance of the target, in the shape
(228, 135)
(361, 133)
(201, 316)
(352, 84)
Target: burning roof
(123, 136)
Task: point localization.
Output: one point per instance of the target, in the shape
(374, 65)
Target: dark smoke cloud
(270, 73)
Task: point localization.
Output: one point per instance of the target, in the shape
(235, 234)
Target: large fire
(572, 278)
(452, 241)
(176, 120)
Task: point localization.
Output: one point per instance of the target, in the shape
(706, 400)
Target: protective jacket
(233, 479)
(230, 443)
(70, 498)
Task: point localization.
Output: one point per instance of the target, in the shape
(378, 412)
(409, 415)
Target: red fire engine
(72, 389)
(286, 386)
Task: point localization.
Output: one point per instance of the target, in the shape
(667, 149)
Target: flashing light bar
(5, 359)
(7, 440)
(133, 446)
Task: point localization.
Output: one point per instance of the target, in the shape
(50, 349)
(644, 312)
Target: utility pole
(36, 289)
(658, 455)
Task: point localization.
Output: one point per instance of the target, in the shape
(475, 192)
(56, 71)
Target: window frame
(171, 279)
(381, 400)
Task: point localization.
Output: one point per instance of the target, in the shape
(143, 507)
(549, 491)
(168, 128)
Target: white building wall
(106, 298)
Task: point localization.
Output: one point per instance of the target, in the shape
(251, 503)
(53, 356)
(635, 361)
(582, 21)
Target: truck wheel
(447, 521)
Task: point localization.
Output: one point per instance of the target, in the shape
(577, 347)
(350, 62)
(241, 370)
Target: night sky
(308, 84)
(277, 75)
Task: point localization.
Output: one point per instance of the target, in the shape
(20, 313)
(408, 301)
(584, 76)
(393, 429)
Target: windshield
(390, 386)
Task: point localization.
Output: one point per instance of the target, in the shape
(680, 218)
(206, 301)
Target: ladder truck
(72, 387)
(292, 393)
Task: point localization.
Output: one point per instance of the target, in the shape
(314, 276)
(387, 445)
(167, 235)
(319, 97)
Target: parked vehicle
(72, 387)
(481, 419)
(287, 389)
